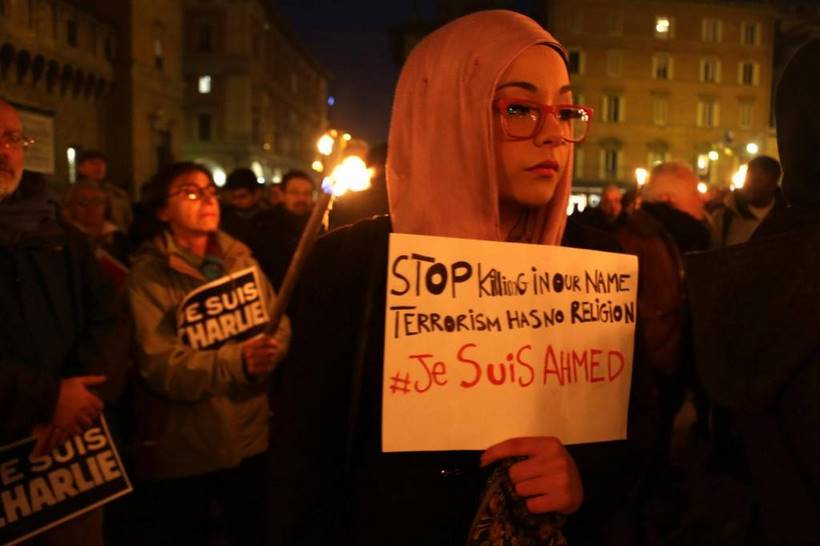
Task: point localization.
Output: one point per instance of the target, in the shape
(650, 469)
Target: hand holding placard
(259, 354)
(77, 407)
(548, 478)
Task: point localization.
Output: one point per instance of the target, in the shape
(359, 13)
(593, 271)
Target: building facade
(254, 97)
(668, 80)
(56, 68)
(145, 108)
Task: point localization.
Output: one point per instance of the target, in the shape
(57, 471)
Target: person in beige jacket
(202, 414)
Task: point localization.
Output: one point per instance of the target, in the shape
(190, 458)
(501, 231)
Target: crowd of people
(272, 435)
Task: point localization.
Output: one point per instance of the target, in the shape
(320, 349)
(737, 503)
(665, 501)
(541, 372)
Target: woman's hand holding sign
(548, 479)
(258, 355)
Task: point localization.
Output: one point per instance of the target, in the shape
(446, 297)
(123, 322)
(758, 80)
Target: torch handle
(297, 262)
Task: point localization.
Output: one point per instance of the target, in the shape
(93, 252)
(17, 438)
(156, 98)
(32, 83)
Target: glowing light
(703, 162)
(576, 201)
(204, 84)
(346, 137)
(317, 166)
(325, 144)
(351, 174)
(71, 154)
(257, 169)
(331, 100)
(641, 175)
(713, 155)
(219, 176)
(662, 25)
(739, 178)
(702, 187)
(752, 148)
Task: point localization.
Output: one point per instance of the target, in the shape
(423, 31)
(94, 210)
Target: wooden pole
(306, 242)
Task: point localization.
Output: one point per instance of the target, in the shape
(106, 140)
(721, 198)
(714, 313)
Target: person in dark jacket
(756, 328)
(744, 210)
(56, 321)
(276, 232)
(332, 482)
(242, 200)
(669, 224)
(608, 215)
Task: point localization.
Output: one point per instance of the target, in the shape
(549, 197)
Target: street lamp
(752, 148)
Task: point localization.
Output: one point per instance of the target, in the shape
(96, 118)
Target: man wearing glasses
(55, 320)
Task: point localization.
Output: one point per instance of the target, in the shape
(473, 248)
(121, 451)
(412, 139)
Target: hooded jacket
(756, 327)
(332, 483)
(197, 411)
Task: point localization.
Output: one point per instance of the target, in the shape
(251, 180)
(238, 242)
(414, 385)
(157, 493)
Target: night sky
(351, 39)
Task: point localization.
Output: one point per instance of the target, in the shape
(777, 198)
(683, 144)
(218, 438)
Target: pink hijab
(441, 171)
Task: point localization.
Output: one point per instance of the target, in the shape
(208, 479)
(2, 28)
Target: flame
(739, 178)
(351, 174)
(641, 175)
(325, 144)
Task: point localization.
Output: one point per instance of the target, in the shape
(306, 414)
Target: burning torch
(348, 172)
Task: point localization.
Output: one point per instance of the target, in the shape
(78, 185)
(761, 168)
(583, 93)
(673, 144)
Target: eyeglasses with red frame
(522, 119)
(192, 192)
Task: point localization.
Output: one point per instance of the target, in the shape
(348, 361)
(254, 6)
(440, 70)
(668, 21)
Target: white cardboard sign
(486, 341)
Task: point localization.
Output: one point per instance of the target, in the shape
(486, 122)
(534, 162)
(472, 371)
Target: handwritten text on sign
(229, 308)
(486, 341)
(37, 493)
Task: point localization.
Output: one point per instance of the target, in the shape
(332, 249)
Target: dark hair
(766, 164)
(290, 175)
(88, 155)
(155, 192)
(242, 179)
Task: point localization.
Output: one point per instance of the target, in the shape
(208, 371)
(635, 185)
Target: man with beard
(56, 328)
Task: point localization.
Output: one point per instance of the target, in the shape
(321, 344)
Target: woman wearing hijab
(474, 125)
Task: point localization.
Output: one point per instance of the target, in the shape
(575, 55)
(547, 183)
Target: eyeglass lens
(524, 119)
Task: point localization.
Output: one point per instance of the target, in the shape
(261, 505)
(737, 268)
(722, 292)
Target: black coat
(56, 309)
(332, 484)
(757, 340)
(273, 240)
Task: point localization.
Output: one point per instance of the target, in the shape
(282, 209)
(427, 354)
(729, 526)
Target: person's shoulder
(359, 236)
(577, 235)
(346, 251)
(269, 218)
(147, 263)
(116, 191)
